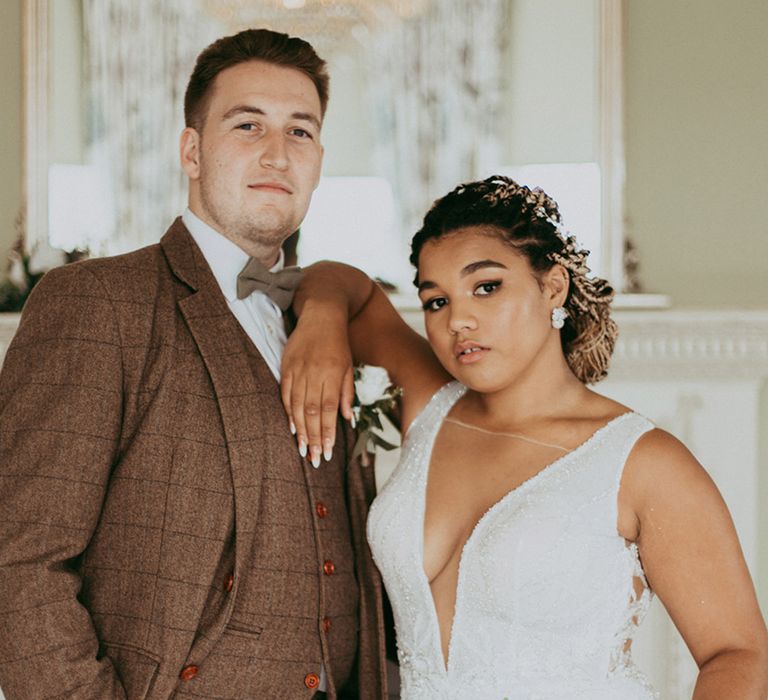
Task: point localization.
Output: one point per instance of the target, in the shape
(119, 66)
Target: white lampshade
(80, 212)
(353, 220)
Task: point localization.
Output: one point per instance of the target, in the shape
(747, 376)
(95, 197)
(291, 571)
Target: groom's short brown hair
(250, 45)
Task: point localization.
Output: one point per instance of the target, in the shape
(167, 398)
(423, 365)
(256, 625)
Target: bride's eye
(434, 304)
(486, 288)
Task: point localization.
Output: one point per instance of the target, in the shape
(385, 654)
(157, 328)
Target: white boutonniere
(375, 396)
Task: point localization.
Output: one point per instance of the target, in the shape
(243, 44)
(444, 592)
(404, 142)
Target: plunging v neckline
(524, 485)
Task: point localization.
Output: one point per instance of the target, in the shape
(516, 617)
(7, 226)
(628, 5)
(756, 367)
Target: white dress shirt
(259, 316)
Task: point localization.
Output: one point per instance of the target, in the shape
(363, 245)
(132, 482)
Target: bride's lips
(468, 352)
(271, 186)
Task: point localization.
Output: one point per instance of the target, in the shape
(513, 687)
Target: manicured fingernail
(293, 428)
(302, 447)
(327, 450)
(352, 421)
(315, 460)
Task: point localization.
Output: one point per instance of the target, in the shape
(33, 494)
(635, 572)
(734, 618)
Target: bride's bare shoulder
(661, 471)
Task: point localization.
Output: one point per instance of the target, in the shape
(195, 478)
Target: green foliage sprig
(375, 397)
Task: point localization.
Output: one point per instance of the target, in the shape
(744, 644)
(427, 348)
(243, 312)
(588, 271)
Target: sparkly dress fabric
(546, 598)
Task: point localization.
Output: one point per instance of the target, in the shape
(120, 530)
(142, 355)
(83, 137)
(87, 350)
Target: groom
(160, 536)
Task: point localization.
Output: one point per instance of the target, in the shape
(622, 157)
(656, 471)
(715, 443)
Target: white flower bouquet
(374, 396)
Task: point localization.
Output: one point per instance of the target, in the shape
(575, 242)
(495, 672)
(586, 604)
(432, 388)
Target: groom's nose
(274, 154)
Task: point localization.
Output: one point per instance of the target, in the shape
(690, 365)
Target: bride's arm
(693, 561)
(342, 315)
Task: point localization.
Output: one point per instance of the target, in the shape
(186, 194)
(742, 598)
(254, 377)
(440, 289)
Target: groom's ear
(189, 152)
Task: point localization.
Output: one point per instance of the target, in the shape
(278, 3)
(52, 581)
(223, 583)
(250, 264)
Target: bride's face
(487, 313)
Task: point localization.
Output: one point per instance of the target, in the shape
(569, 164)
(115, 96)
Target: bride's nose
(461, 318)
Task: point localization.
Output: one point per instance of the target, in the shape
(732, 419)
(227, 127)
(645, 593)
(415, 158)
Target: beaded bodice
(546, 599)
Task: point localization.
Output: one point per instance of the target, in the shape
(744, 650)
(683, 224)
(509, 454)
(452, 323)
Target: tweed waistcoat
(296, 603)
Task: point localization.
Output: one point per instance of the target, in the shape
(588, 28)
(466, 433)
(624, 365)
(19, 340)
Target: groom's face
(256, 160)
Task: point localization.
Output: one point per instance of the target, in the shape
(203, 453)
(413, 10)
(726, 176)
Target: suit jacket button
(188, 673)
(321, 509)
(329, 567)
(326, 624)
(312, 680)
(229, 582)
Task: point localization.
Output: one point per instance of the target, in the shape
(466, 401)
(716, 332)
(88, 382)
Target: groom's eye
(303, 133)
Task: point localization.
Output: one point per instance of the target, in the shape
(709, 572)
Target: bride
(530, 519)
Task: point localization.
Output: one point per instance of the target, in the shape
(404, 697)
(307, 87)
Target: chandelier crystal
(324, 23)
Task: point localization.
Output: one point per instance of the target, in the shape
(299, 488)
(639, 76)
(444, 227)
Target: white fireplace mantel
(691, 345)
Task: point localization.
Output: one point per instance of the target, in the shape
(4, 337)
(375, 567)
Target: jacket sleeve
(61, 396)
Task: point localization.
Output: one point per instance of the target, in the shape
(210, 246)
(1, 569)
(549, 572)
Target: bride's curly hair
(529, 221)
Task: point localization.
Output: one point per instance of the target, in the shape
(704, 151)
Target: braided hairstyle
(529, 221)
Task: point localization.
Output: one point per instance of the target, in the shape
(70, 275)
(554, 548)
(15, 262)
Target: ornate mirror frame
(610, 129)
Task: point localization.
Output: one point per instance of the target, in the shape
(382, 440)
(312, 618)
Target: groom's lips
(271, 186)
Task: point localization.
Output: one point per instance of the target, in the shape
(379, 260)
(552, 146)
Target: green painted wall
(697, 148)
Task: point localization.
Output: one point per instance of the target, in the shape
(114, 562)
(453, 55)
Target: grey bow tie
(278, 286)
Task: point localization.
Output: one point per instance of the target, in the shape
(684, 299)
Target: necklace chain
(525, 438)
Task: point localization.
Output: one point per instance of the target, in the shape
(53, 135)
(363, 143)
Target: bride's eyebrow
(466, 270)
(479, 265)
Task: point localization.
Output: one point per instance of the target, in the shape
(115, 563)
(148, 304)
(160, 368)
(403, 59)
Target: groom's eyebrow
(250, 109)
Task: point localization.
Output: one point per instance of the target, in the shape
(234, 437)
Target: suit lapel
(243, 410)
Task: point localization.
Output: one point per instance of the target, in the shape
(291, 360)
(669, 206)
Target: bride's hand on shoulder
(693, 561)
(316, 369)
(317, 380)
(343, 316)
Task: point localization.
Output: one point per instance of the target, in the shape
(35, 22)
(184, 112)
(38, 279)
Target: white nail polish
(292, 428)
(353, 422)
(302, 448)
(316, 461)
(327, 452)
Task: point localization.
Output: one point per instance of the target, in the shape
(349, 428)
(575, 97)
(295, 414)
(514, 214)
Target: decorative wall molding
(679, 345)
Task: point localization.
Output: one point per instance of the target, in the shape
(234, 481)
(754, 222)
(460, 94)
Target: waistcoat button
(329, 567)
(321, 509)
(229, 582)
(188, 673)
(311, 680)
(326, 624)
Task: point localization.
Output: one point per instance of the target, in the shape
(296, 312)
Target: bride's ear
(556, 285)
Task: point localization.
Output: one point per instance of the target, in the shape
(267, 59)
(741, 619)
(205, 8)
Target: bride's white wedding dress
(545, 601)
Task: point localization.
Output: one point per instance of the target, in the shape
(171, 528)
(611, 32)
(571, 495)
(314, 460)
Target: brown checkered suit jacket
(122, 370)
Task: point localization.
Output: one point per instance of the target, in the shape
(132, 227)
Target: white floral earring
(559, 314)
